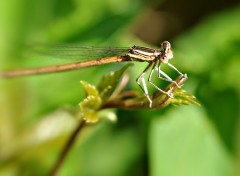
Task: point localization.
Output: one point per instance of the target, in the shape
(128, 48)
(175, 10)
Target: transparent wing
(73, 51)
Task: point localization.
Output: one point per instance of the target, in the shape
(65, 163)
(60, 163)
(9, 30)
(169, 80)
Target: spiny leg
(159, 69)
(173, 67)
(167, 78)
(144, 87)
(150, 81)
(181, 74)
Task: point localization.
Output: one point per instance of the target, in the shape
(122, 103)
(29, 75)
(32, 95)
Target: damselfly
(154, 57)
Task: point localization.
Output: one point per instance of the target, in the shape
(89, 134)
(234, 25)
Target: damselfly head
(167, 53)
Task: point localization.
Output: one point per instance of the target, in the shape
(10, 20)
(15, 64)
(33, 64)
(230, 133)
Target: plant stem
(67, 148)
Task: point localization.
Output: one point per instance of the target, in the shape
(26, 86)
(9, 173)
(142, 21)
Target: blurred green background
(35, 120)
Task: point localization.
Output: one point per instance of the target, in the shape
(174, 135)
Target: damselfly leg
(144, 86)
(150, 80)
(166, 77)
(141, 79)
(156, 65)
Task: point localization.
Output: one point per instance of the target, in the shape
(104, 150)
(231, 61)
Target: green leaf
(89, 89)
(185, 143)
(90, 105)
(110, 81)
(181, 97)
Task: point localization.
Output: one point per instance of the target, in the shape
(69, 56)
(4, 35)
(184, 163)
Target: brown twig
(160, 100)
(67, 148)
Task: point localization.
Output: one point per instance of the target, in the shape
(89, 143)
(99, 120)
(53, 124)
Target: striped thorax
(140, 53)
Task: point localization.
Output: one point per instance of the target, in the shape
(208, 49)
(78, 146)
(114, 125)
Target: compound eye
(166, 45)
